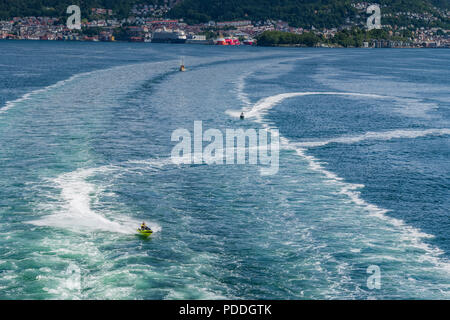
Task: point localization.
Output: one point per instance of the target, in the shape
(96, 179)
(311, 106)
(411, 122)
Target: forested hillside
(298, 13)
(57, 8)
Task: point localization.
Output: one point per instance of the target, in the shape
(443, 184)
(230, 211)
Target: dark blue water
(85, 156)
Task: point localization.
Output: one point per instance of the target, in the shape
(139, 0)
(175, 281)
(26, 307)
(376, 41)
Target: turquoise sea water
(85, 143)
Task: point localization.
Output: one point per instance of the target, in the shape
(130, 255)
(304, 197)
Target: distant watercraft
(242, 116)
(169, 36)
(144, 230)
(230, 41)
(220, 42)
(249, 42)
(182, 68)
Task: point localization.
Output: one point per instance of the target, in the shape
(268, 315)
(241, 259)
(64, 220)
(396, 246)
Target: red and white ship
(229, 41)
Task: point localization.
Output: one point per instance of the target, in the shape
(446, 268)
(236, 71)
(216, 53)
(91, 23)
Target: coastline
(212, 44)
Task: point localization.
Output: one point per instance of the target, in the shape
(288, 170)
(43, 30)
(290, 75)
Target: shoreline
(205, 44)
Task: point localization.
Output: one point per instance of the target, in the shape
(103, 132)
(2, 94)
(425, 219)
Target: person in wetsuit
(144, 226)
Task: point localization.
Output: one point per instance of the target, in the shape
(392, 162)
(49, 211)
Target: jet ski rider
(144, 226)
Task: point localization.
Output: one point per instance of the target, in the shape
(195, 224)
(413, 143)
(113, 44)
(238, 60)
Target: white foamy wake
(27, 96)
(385, 135)
(75, 210)
(156, 163)
(410, 234)
(240, 86)
(258, 110)
(141, 71)
(74, 206)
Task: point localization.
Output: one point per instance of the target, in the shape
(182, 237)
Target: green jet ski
(144, 230)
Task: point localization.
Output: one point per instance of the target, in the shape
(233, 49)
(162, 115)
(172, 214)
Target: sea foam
(77, 194)
(409, 234)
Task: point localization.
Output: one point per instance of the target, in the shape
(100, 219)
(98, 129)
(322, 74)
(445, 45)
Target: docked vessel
(169, 36)
(220, 42)
(229, 41)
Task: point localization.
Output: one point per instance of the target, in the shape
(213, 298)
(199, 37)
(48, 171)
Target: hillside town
(147, 23)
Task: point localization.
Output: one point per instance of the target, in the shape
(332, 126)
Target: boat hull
(169, 40)
(145, 233)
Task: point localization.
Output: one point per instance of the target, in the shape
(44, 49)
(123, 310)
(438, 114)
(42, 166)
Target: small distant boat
(242, 116)
(182, 67)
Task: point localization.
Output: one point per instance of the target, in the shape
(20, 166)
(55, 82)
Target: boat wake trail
(75, 210)
(33, 94)
(424, 257)
(258, 110)
(112, 79)
(76, 207)
(386, 135)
